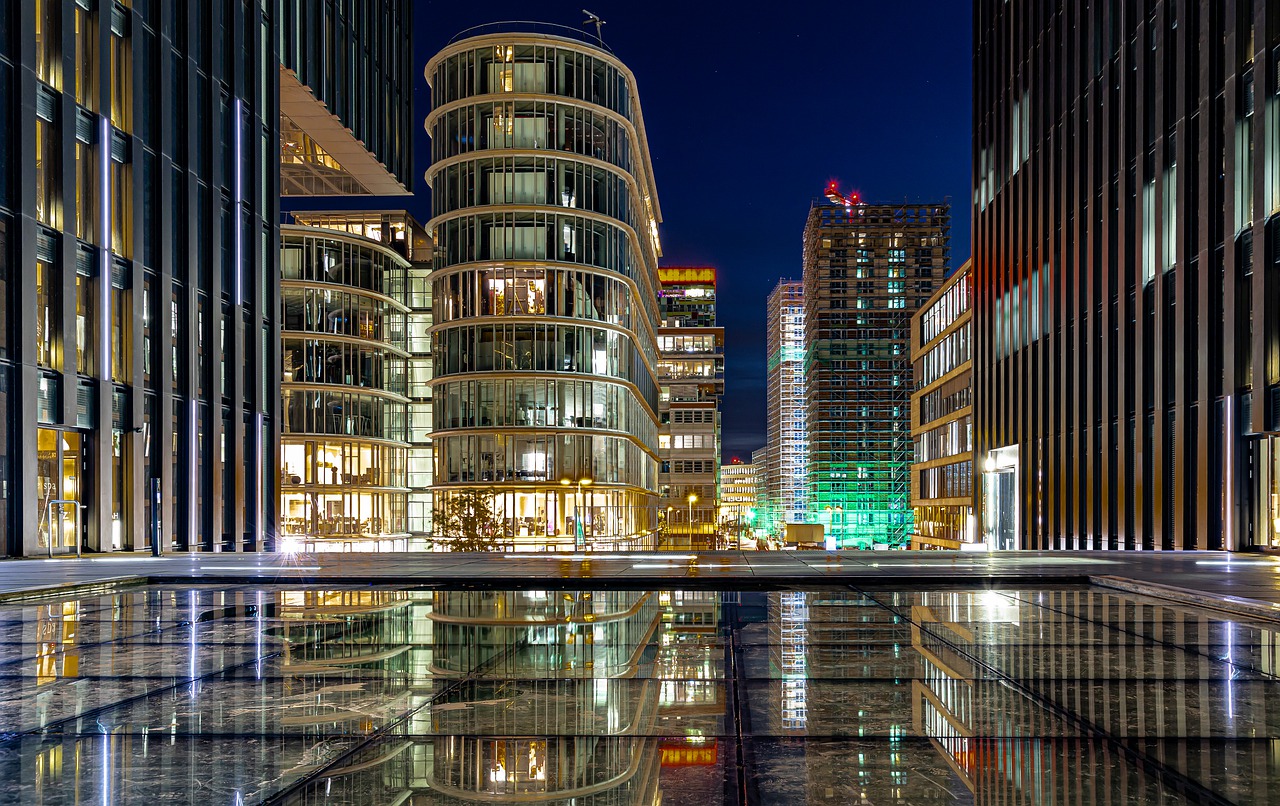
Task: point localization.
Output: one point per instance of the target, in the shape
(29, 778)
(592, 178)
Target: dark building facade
(867, 269)
(138, 279)
(1127, 176)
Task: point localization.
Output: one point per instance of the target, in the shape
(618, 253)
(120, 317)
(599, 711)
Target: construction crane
(834, 195)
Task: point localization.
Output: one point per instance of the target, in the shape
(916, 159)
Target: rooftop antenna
(594, 19)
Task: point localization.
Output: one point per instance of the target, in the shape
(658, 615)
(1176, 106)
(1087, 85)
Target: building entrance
(1000, 507)
(60, 476)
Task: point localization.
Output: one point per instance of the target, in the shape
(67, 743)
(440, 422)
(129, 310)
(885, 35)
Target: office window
(121, 83)
(48, 196)
(122, 209)
(86, 58)
(46, 298)
(86, 192)
(49, 42)
(84, 325)
(121, 327)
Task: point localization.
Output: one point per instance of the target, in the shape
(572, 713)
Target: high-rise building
(787, 447)
(942, 417)
(138, 276)
(867, 268)
(356, 452)
(691, 381)
(1127, 177)
(545, 224)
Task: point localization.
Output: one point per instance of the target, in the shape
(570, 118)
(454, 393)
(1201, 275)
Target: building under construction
(867, 269)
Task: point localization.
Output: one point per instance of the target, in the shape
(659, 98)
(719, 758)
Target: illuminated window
(48, 42)
(48, 197)
(121, 83)
(86, 58)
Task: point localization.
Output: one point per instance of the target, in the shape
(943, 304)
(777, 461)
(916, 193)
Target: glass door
(59, 477)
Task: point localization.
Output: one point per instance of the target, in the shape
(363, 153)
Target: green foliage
(466, 522)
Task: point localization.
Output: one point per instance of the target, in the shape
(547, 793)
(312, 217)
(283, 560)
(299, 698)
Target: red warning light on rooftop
(834, 195)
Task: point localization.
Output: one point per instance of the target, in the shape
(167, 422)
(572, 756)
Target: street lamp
(579, 534)
(691, 499)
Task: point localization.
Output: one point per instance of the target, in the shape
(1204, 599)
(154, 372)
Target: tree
(465, 521)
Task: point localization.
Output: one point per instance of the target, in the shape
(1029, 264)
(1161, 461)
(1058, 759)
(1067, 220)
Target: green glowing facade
(867, 269)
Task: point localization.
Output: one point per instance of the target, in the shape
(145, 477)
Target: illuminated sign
(684, 755)
(687, 275)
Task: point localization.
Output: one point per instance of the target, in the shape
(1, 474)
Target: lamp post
(691, 499)
(579, 534)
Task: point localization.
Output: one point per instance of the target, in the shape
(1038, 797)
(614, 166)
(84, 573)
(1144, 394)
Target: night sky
(748, 116)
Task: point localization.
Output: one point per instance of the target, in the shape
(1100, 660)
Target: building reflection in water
(632, 697)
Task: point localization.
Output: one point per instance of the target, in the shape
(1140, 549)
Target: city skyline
(739, 203)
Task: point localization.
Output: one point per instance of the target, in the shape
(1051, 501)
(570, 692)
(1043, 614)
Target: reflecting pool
(253, 694)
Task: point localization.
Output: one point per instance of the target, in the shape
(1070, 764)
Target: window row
(684, 442)
(531, 125)
(343, 414)
(342, 463)
(540, 291)
(320, 361)
(947, 481)
(542, 348)
(532, 180)
(534, 236)
(605, 518)
(542, 403)
(353, 514)
(675, 370)
(943, 357)
(544, 69)
(691, 466)
(946, 309)
(698, 343)
(342, 313)
(693, 416)
(333, 260)
(946, 440)
(497, 458)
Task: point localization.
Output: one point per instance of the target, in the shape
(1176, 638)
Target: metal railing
(531, 27)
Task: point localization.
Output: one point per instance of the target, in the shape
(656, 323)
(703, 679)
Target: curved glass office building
(545, 220)
(344, 385)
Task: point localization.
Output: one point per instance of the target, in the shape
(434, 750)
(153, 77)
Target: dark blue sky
(749, 113)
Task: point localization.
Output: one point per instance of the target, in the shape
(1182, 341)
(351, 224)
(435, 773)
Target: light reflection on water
(371, 696)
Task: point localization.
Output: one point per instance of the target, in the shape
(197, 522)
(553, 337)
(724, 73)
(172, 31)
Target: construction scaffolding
(867, 269)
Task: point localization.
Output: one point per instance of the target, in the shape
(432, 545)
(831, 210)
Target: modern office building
(867, 269)
(138, 276)
(545, 289)
(942, 417)
(691, 380)
(787, 439)
(346, 98)
(1127, 177)
(356, 452)
(739, 483)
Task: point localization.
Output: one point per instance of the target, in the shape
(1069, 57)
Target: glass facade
(155, 420)
(544, 302)
(344, 385)
(346, 98)
(406, 371)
